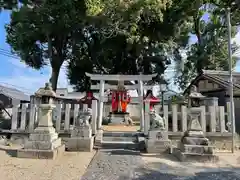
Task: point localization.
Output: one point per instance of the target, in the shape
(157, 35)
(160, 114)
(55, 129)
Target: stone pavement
(131, 165)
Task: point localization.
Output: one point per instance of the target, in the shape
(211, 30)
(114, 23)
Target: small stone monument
(194, 145)
(81, 136)
(157, 141)
(44, 142)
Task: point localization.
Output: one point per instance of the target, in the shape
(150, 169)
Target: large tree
(210, 51)
(11, 4)
(139, 37)
(43, 34)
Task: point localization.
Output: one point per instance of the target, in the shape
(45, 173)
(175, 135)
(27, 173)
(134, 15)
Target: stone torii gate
(140, 78)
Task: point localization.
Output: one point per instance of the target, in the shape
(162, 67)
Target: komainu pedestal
(43, 143)
(81, 136)
(157, 141)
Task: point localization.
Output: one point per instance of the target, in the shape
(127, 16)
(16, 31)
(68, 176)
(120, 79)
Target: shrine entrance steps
(123, 140)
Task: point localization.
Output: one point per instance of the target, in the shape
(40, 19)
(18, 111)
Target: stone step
(119, 145)
(123, 139)
(121, 134)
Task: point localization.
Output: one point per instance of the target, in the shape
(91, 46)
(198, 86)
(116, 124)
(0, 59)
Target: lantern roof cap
(194, 94)
(46, 91)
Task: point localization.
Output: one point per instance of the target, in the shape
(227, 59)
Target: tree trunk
(54, 77)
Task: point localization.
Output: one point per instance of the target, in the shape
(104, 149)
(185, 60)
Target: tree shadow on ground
(164, 171)
(210, 175)
(124, 152)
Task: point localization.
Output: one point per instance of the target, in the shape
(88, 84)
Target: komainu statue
(156, 121)
(83, 118)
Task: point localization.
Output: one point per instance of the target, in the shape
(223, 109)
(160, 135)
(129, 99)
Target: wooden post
(59, 117)
(184, 118)
(94, 116)
(174, 118)
(32, 117)
(165, 115)
(75, 113)
(101, 100)
(14, 118)
(212, 111)
(141, 104)
(85, 107)
(222, 119)
(67, 117)
(23, 117)
(147, 117)
(203, 118)
(229, 115)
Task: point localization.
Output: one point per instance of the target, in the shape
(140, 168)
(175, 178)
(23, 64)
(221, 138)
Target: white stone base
(98, 138)
(158, 146)
(194, 157)
(43, 145)
(41, 154)
(79, 144)
(81, 132)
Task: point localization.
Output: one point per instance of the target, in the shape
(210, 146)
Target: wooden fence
(212, 118)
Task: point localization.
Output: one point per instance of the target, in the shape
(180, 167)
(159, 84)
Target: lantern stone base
(41, 154)
(195, 153)
(43, 143)
(79, 144)
(158, 142)
(42, 146)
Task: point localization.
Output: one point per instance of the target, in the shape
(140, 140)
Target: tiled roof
(222, 77)
(219, 77)
(14, 93)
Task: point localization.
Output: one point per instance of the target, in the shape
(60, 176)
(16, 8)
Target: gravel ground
(70, 166)
(129, 165)
(114, 165)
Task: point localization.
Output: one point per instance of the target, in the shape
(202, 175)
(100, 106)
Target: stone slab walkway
(130, 165)
(113, 165)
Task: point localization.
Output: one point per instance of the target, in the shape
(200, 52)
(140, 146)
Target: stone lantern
(44, 142)
(46, 96)
(195, 98)
(194, 144)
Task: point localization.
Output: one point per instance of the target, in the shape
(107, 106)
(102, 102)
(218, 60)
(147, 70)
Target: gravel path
(129, 165)
(70, 166)
(114, 165)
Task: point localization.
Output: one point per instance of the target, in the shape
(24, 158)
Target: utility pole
(232, 115)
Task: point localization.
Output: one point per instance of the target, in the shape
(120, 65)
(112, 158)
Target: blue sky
(16, 74)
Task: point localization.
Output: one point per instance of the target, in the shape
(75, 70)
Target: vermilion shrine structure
(119, 92)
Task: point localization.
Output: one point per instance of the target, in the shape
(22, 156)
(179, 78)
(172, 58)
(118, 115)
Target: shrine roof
(218, 77)
(88, 97)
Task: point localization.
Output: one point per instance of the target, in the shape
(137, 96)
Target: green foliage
(11, 4)
(131, 38)
(210, 51)
(43, 34)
